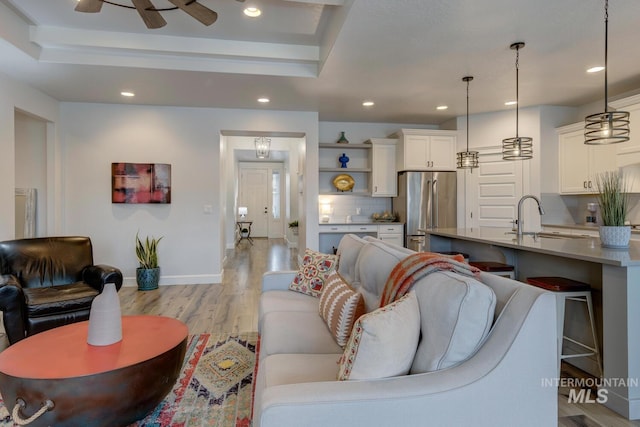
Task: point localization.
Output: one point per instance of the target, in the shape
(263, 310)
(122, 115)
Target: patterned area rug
(214, 388)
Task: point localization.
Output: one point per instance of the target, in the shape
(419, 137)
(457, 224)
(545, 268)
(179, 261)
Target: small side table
(244, 225)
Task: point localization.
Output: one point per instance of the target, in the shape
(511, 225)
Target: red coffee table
(113, 385)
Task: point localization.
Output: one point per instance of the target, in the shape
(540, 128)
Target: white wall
(95, 135)
(16, 95)
(31, 162)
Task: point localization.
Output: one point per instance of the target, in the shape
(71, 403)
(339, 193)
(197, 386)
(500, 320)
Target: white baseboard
(195, 279)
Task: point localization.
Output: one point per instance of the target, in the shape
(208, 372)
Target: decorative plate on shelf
(343, 182)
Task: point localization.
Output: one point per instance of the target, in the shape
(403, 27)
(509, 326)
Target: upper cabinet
(580, 163)
(629, 152)
(384, 178)
(425, 149)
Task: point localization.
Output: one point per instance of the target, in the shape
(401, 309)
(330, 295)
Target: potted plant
(613, 197)
(293, 225)
(148, 273)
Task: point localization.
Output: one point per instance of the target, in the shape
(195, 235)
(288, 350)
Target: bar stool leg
(593, 333)
(560, 302)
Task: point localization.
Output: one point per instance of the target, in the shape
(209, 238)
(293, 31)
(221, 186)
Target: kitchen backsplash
(341, 207)
(567, 210)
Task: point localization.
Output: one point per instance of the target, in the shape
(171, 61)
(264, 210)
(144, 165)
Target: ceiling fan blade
(151, 18)
(196, 10)
(89, 6)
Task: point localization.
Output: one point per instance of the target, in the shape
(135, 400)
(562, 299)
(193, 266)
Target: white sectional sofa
(501, 382)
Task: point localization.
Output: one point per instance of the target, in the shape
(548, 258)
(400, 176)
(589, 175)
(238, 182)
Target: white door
(261, 190)
(493, 190)
(254, 194)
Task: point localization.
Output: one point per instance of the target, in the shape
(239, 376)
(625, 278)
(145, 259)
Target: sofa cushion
(348, 250)
(339, 307)
(285, 300)
(296, 332)
(456, 313)
(313, 272)
(375, 262)
(383, 342)
(282, 369)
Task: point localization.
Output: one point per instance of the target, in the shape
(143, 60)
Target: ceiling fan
(150, 14)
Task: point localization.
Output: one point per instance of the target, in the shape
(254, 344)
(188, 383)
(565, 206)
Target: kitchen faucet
(519, 228)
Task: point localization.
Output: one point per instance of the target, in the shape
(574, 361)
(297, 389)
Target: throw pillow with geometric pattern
(339, 307)
(313, 272)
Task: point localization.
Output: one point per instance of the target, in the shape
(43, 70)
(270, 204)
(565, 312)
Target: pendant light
(467, 159)
(262, 147)
(610, 127)
(519, 147)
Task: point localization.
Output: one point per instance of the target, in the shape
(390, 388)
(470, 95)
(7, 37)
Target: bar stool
(496, 268)
(567, 289)
(465, 256)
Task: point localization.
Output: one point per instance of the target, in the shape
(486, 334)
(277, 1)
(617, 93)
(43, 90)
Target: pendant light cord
(517, 87)
(606, 52)
(467, 116)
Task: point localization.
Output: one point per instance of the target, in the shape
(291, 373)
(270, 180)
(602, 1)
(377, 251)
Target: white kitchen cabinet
(330, 234)
(629, 152)
(580, 163)
(425, 149)
(384, 178)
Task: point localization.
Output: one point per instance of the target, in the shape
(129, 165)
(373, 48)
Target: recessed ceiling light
(510, 103)
(129, 94)
(368, 104)
(442, 107)
(595, 69)
(252, 12)
(263, 100)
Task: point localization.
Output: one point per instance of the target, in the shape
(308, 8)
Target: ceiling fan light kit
(150, 14)
(609, 127)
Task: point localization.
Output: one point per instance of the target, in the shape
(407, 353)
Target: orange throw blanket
(418, 265)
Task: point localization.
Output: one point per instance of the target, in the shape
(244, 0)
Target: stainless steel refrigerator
(425, 200)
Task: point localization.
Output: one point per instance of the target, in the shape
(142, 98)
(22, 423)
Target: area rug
(214, 389)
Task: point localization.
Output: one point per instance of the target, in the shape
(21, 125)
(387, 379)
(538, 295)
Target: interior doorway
(261, 186)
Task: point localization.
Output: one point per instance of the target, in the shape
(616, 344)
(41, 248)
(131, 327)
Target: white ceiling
(327, 55)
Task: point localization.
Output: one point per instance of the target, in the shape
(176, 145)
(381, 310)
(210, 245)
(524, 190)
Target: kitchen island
(614, 275)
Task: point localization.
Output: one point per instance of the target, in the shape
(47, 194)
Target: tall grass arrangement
(613, 197)
(147, 252)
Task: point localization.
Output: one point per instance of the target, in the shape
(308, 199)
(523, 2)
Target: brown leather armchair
(48, 282)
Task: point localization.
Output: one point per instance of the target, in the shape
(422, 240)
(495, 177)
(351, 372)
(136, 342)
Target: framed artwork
(140, 183)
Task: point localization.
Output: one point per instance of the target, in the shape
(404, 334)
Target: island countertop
(583, 248)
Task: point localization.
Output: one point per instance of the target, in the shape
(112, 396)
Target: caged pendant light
(262, 147)
(610, 127)
(519, 147)
(467, 159)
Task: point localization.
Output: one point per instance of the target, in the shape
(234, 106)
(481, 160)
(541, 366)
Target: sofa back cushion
(348, 250)
(456, 314)
(375, 262)
(46, 261)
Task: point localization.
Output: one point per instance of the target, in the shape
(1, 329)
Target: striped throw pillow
(340, 306)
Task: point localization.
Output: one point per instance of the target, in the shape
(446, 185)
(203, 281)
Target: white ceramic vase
(105, 318)
(615, 236)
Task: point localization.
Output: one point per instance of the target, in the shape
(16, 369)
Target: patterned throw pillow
(313, 272)
(340, 306)
(383, 342)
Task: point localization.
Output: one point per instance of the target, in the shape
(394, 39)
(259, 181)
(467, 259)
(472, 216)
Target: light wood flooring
(232, 306)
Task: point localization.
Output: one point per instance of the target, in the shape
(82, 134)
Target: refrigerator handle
(429, 204)
(434, 214)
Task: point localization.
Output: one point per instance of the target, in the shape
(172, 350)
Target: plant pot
(294, 231)
(147, 278)
(615, 236)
